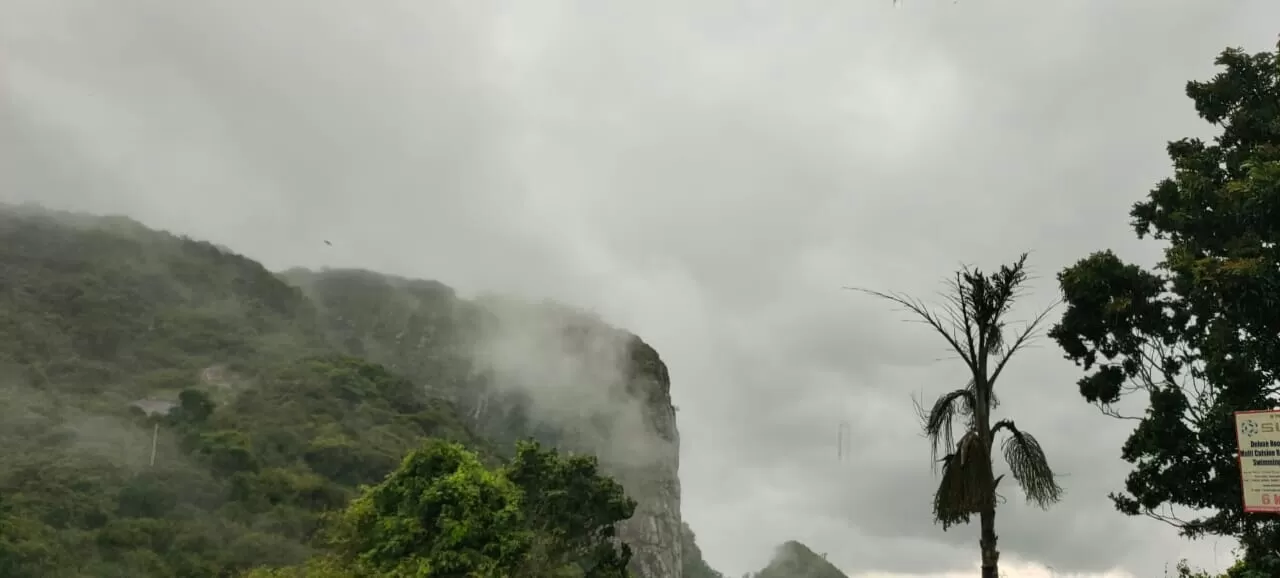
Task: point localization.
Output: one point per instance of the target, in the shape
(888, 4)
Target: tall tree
(974, 323)
(1198, 334)
(573, 510)
(442, 513)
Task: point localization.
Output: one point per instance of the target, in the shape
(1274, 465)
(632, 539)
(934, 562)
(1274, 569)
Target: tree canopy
(442, 513)
(1198, 334)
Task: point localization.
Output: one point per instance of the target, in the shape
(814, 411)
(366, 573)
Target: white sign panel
(1258, 442)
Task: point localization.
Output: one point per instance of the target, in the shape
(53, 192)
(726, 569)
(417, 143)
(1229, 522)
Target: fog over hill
(162, 393)
(705, 174)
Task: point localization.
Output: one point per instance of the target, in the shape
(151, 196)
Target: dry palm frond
(1029, 465)
(938, 421)
(965, 488)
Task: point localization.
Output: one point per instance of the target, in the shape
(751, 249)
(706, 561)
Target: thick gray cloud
(707, 174)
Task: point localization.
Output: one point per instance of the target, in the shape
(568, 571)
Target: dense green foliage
(1197, 334)
(99, 313)
(269, 404)
(1238, 570)
(974, 323)
(442, 513)
(571, 510)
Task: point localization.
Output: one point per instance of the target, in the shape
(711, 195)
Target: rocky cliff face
(569, 379)
(545, 371)
(655, 530)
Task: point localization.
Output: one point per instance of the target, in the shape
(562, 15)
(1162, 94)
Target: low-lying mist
(577, 374)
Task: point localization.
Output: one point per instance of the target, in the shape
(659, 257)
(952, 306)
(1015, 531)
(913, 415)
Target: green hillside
(287, 392)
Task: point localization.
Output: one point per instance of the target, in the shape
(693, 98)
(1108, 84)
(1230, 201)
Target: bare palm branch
(1028, 464)
(1023, 339)
(929, 317)
(972, 318)
(958, 304)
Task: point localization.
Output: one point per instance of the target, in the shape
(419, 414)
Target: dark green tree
(1238, 570)
(974, 323)
(572, 510)
(26, 547)
(194, 406)
(1199, 334)
(441, 513)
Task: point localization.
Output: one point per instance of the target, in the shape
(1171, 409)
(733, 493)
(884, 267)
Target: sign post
(1258, 447)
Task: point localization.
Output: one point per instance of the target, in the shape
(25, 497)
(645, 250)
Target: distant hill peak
(791, 559)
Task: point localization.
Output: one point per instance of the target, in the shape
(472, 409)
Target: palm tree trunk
(990, 556)
(987, 516)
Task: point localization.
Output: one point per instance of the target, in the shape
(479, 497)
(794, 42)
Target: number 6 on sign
(1258, 454)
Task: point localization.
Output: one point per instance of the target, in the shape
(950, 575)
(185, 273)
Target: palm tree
(972, 321)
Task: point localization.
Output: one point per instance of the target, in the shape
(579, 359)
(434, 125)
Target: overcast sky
(706, 173)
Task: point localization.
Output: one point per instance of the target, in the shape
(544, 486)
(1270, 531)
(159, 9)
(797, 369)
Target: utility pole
(155, 435)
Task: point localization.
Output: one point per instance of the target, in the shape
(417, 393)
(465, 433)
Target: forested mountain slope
(283, 394)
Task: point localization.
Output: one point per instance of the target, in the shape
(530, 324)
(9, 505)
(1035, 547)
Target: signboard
(1258, 444)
